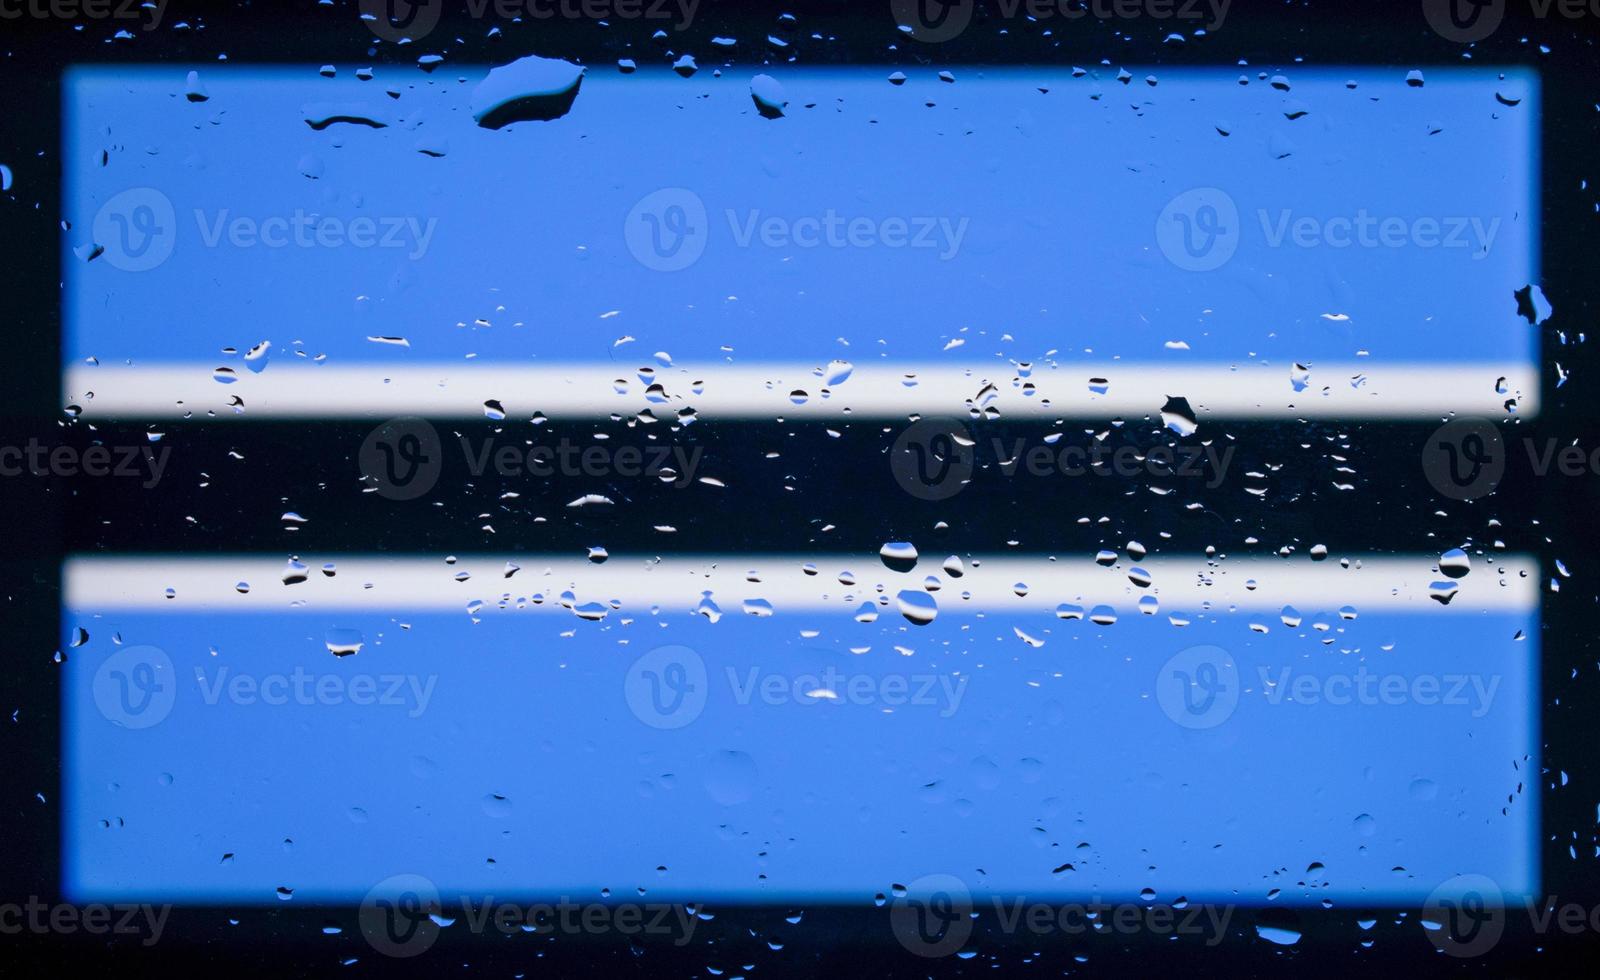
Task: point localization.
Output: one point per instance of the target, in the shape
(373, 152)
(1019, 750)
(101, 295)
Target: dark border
(1393, 34)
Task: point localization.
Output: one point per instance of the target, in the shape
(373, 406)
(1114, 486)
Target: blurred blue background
(1005, 757)
(515, 244)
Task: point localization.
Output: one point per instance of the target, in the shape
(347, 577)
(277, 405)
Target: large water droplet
(529, 89)
(899, 556)
(768, 95)
(918, 607)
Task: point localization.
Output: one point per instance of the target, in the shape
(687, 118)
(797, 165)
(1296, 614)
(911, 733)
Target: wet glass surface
(910, 489)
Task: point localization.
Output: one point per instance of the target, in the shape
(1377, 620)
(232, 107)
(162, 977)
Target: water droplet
(1455, 563)
(256, 357)
(731, 777)
(321, 115)
(294, 572)
(495, 806)
(193, 89)
(529, 89)
(708, 608)
(899, 556)
(768, 95)
(1029, 640)
(1179, 417)
(343, 642)
(1531, 304)
(917, 607)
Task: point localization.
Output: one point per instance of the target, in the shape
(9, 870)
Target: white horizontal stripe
(1188, 584)
(291, 390)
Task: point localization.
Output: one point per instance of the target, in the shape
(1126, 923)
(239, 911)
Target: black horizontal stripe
(802, 487)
